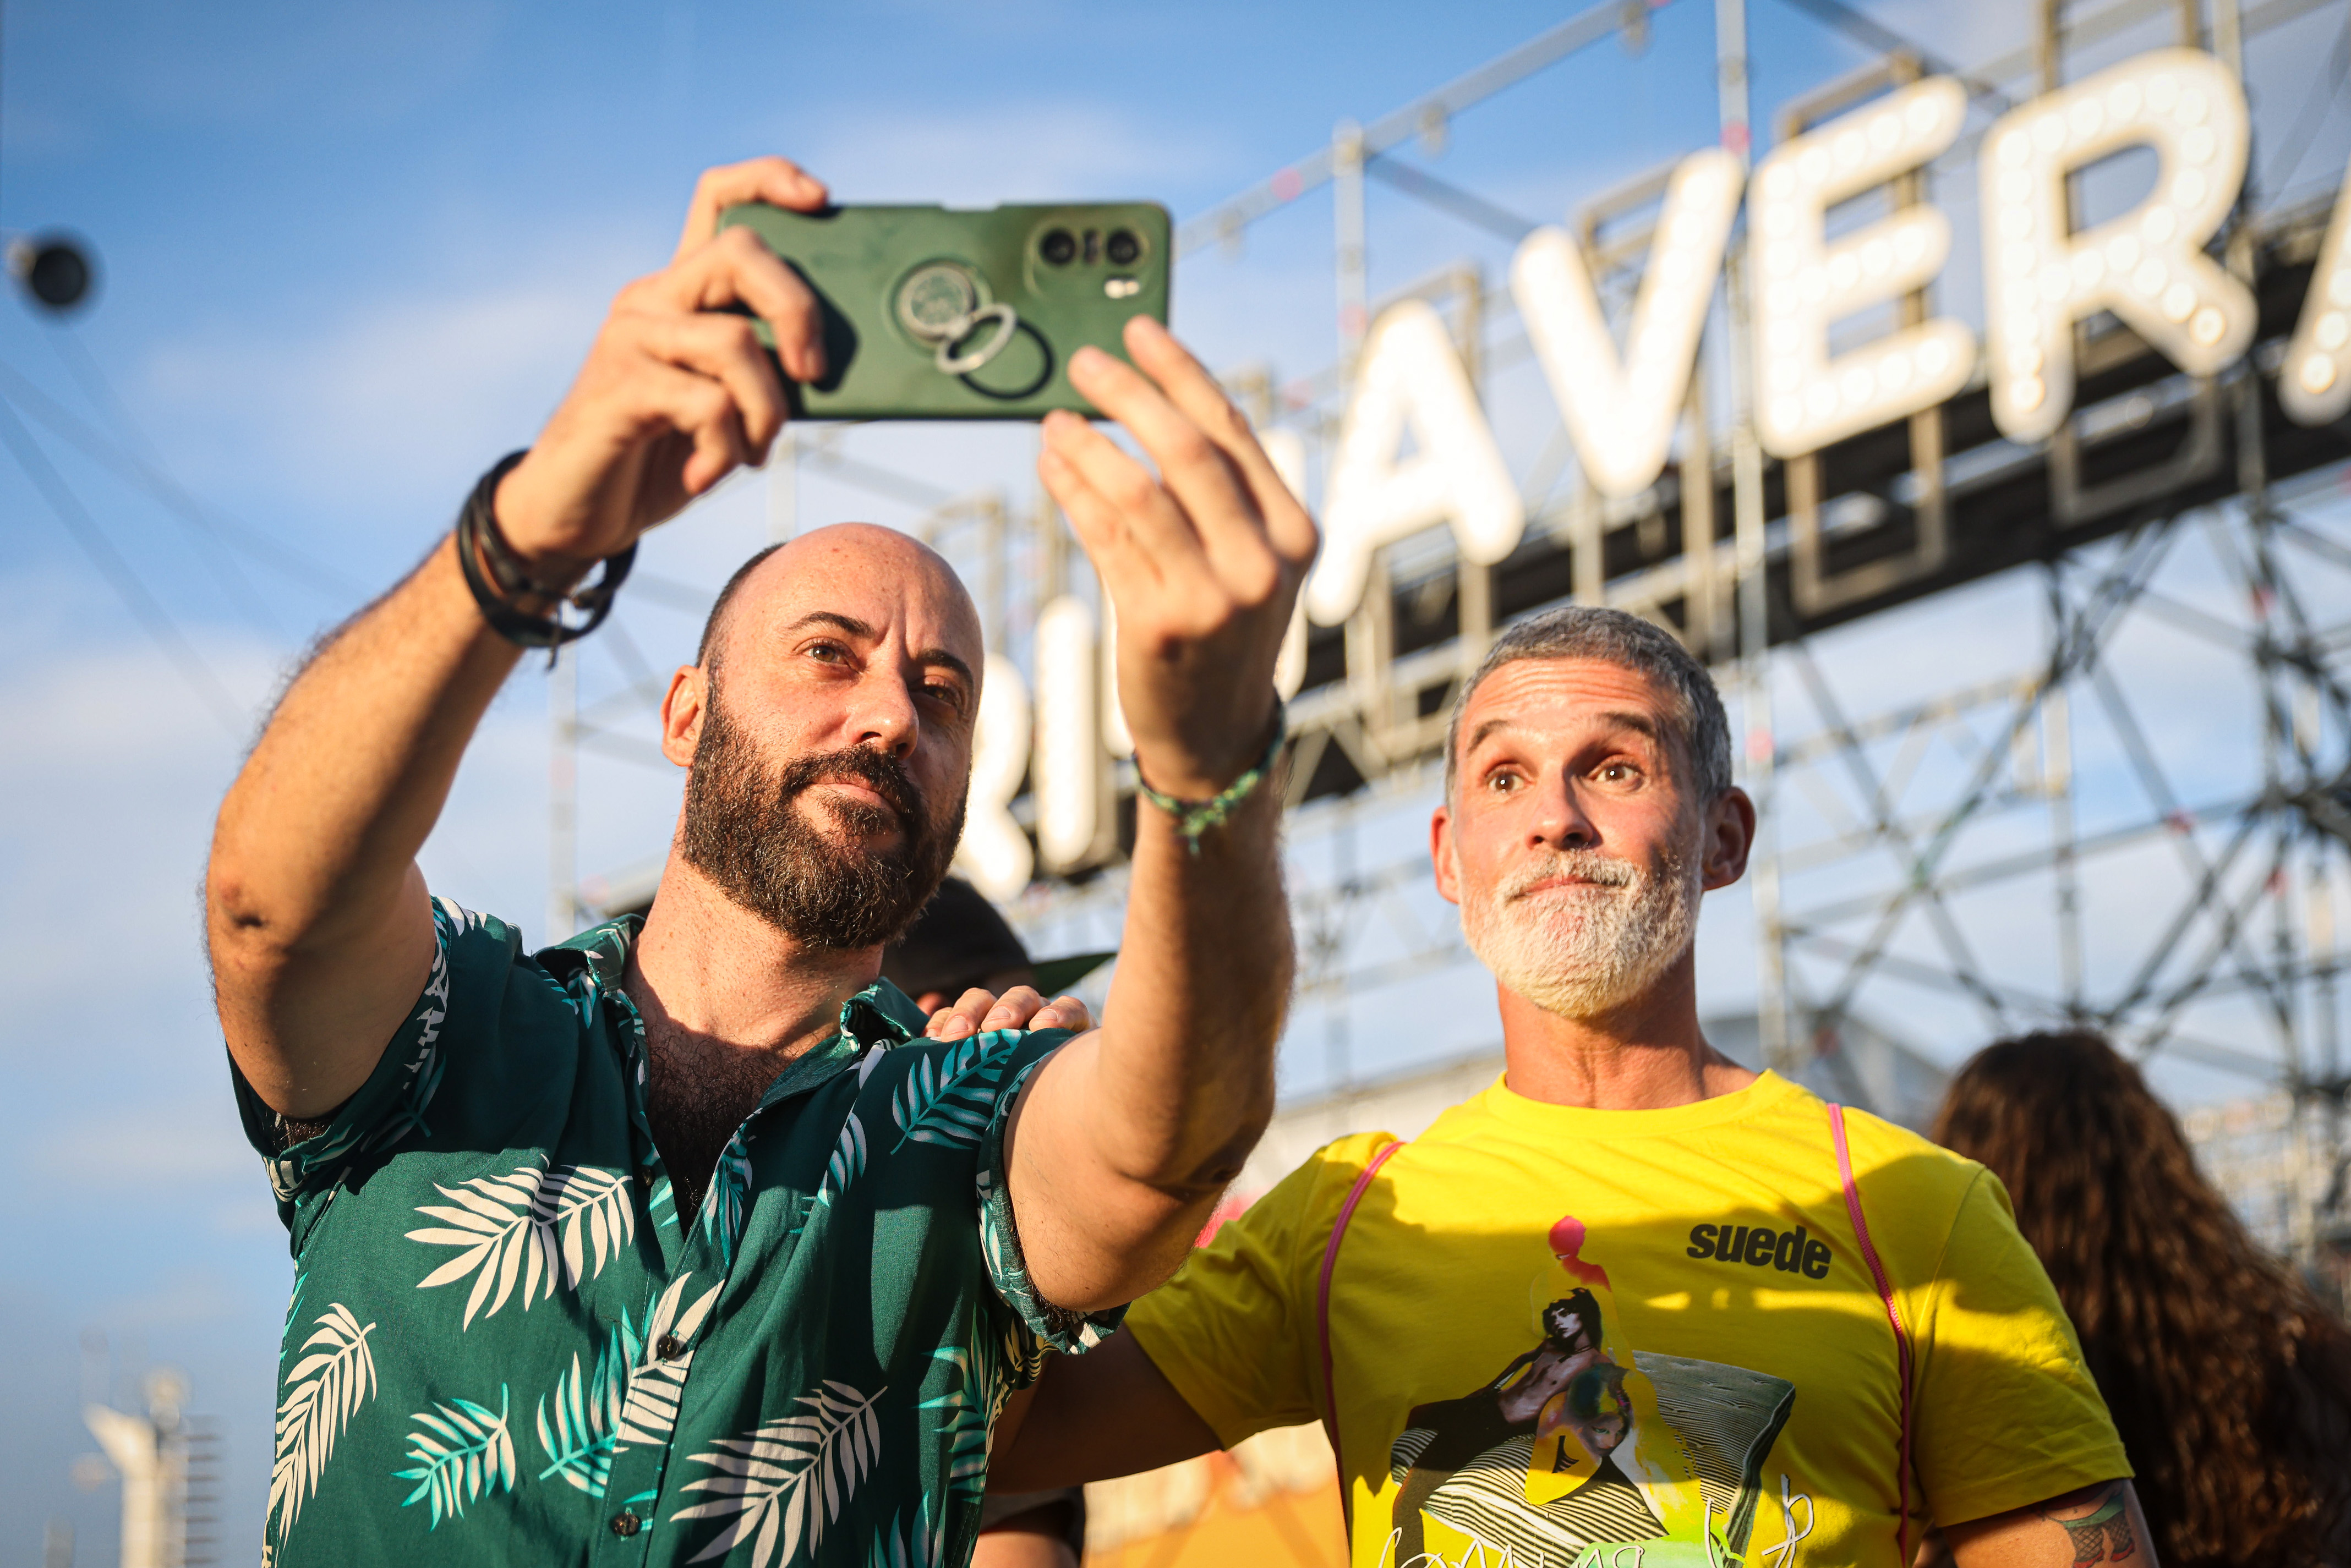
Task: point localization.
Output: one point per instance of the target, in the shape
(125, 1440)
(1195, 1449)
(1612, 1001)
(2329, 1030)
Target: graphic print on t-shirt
(1584, 1444)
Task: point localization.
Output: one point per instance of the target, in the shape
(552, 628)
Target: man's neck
(709, 971)
(728, 1000)
(1644, 1056)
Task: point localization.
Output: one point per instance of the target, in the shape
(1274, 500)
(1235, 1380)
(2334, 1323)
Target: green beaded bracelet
(1195, 817)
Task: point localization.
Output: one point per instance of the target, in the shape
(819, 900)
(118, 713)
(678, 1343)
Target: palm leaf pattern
(916, 1543)
(326, 1388)
(949, 1098)
(464, 1452)
(587, 1425)
(545, 1225)
(789, 1475)
(649, 1407)
(722, 1211)
(965, 1424)
(848, 1161)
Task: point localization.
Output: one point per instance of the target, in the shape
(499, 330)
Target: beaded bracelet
(1195, 817)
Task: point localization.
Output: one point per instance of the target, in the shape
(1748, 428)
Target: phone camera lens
(1122, 248)
(1059, 246)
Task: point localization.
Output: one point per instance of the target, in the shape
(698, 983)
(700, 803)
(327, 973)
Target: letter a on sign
(1622, 419)
(1410, 377)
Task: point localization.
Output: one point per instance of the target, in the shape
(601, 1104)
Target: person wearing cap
(1632, 1305)
(688, 1239)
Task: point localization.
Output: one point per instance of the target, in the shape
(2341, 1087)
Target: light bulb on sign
(2147, 266)
(1622, 426)
(1409, 376)
(1808, 399)
(1063, 772)
(2314, 382)
(994, 853)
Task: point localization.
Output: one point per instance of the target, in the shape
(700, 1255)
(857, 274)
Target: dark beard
(744, 830)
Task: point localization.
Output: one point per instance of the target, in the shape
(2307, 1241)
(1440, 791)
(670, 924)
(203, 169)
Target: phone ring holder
(939, 304)
(1007, 323)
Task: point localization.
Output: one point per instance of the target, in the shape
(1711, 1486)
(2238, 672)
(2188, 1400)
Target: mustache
(877, 771)
(1584, 864)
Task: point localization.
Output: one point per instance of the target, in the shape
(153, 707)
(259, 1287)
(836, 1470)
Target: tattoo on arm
(2097, 1520)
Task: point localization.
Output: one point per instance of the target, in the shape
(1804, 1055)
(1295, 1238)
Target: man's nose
(883, 716)
(1561, 823)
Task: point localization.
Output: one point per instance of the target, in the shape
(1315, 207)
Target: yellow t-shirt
(1566, 1334)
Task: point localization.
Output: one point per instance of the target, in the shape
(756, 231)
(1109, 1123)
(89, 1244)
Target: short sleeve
(2007, 1413)
(1234, 1331)
(1058, 1328)
(398, 1095)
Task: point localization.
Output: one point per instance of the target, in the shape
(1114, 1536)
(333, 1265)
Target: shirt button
(626, 1523)
(645, 1176)
(669, 1347)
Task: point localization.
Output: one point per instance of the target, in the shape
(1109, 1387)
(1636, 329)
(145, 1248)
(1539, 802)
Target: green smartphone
(944, 313)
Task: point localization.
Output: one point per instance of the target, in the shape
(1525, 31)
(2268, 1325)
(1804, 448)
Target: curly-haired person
(2230, 1383)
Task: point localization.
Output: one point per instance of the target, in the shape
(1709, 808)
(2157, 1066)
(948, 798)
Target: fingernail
(954, 1028)
(996, 1020)
(1087, 357)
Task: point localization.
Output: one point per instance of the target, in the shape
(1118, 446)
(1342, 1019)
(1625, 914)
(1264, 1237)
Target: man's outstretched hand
(677, 391)
(1203, 562)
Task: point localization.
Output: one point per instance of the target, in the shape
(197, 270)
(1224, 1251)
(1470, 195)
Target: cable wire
(144, 607)
(288, 561)
(85, 369)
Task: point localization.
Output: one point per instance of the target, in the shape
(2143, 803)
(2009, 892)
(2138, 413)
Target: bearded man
(679, 1241)
(1809, 1335)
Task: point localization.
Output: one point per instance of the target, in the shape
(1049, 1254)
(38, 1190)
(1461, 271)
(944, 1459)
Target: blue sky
(352, 252)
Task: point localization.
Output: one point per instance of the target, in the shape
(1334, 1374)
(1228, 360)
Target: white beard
(1581, 951)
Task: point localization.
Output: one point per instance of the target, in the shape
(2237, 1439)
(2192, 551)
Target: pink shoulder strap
(1893, 1316)
(1323, 1301)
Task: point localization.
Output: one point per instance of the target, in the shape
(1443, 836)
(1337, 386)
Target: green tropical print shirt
(505, 1347)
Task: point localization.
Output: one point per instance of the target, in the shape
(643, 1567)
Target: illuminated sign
(2315, 385)
(1410, 379)
(2147, 266)
(1621, 420)
(994, 853)
(1806, 400)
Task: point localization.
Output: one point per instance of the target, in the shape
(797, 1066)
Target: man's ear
(1729, 833)
(683, 706)
(1440, 855)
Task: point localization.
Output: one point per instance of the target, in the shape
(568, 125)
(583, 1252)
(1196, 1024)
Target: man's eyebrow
(1640, 722)
(953, 662)
(851, 626)
(846, 623)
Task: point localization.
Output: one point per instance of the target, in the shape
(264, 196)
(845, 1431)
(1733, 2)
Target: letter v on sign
(1621, 413)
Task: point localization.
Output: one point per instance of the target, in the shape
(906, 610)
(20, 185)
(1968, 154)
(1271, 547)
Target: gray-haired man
(1632, 1305)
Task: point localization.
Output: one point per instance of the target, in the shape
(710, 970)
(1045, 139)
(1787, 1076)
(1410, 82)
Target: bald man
(687, 1239)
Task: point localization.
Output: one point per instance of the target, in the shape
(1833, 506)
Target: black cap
(956, 942)
(960, 940)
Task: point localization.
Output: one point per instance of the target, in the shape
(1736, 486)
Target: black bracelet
(479, 540)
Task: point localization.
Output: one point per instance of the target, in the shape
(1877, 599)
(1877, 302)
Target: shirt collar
(880, 1016)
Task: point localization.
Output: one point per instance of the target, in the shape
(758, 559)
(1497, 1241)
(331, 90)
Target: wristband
(1195, 817)
(480, 540)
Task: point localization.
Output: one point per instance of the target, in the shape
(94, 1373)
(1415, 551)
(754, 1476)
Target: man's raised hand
(675, 394)
(1203, 562)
